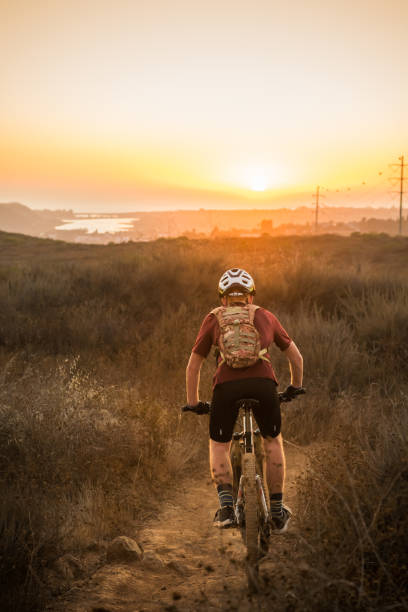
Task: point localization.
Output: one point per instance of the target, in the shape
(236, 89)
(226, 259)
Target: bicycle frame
(248, 448)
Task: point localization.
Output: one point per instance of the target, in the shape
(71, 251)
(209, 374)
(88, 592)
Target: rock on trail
(189, 565)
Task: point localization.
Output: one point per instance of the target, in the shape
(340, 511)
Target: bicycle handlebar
(204, 407)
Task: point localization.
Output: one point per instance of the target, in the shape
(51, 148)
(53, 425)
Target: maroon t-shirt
(270, 330)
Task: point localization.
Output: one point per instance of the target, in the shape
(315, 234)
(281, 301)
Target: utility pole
(317, 207)
(401, 191)
(401, 180)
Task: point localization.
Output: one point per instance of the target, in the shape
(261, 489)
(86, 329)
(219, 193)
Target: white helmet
(236, 278)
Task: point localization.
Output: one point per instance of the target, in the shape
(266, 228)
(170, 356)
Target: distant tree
(266, 226)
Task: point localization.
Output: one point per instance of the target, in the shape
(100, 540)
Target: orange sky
(131, 105)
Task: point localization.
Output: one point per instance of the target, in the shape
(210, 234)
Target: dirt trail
(190, 565)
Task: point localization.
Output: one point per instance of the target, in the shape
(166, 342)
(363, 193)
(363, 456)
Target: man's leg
(221, 474)
(223, 415)
(275, 464)
(275, 478)
(220, 462)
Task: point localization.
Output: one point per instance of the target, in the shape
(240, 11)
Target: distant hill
(18, 249)
(15, 217)
(18, 218)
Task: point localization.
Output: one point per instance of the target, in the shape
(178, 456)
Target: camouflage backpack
(239, 342)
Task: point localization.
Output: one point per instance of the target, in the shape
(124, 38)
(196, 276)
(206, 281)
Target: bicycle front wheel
(251, 508)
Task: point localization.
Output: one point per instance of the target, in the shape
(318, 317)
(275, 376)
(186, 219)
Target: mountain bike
(251, 506)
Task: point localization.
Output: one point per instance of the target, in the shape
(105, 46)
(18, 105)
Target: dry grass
(80, 461)
(94, 344)
(353, 502)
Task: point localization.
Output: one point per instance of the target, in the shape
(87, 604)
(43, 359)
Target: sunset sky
(127, 105)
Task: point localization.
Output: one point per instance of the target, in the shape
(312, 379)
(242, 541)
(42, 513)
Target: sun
(249, 176)
(258, 184)
(257, 179)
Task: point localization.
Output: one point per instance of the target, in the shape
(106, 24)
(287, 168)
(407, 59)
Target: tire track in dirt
(190, 565)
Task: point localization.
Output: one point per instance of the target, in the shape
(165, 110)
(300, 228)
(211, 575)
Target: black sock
(225, 495)
(276, 500)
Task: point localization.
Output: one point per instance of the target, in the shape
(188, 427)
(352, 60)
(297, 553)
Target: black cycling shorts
(223, 413)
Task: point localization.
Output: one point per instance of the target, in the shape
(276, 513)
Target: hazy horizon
(217, 201)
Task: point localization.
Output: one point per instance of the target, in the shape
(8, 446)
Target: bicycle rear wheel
(235, 456)
(251, 508)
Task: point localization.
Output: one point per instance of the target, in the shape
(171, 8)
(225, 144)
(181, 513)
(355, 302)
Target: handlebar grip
(200, 408)
(285, 397)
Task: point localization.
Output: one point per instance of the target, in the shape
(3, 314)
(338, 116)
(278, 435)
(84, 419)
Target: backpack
(239, 342)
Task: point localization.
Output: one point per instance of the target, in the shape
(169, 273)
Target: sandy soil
(190, 565)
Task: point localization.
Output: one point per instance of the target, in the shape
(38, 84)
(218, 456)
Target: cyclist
(258, 381)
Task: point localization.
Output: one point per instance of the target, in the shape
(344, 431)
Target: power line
(369, 189)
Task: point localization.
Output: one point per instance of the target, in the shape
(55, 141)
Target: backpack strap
(252, 308)
(262, 355)
(251, 311)
(216, 313)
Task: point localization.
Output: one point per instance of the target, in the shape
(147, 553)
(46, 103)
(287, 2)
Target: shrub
(353, 501)
(79, 460)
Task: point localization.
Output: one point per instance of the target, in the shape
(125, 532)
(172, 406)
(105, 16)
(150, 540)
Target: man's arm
(295, 364)
(193, 378)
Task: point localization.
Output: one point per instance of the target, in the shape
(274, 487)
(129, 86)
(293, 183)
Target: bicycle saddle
(247, 403)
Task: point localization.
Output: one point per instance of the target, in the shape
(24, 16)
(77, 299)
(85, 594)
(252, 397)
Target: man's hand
(291, 392)
(199, 408)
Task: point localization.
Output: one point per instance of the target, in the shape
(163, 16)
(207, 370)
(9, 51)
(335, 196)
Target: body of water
(101, 225)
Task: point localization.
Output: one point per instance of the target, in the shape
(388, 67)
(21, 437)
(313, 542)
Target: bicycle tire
(251, 508)
(235, 457)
